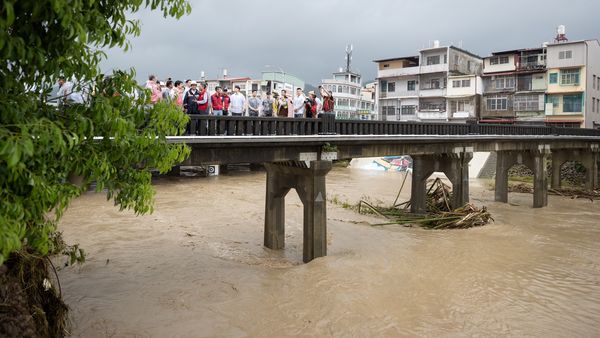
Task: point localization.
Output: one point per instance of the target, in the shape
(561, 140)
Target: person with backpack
(328, 101)
(311, 105)
(190, 101)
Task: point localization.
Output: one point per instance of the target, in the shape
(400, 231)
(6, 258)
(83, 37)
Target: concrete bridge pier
(589, 159)
(309, 181)
(456, 168)
(534, 160)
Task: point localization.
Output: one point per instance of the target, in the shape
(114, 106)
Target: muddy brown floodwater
(197, 267)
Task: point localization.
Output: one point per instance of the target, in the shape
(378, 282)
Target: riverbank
(197, 267)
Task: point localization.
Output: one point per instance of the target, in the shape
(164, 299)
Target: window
(525, 82)
(456, 83)
(503, 59)
(408, 110)
(461, 106)
(494, 61)
(569, 77)
(555, 100)
(505, 82)
(526, 103)
(593, 104)
(572, 103)
(433, 60)
(497, 103)
(567, 54)
(594, 82)
(433, 106)
(254, 87)
(391, 87)
(339, 89)
(435, 83)
(353, 91)
(388, 110)
(445, 58)
(466, 83)
(469, 65)
(386, 65)
(553, 78)
(410, 85)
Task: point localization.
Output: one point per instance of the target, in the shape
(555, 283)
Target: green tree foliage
(114, 139)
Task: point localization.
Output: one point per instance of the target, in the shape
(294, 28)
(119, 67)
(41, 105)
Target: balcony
(439, 68)
(395, 72)
(432, 115)
(426, 91)
(532, 62)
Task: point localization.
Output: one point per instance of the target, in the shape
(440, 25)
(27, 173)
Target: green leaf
(10, 13)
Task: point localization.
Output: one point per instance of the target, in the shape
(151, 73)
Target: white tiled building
(416, 87)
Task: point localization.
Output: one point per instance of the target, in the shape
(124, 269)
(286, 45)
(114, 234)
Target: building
(415, 87)
(397, 94)
(276, 81)
(573, 93)
(352, 101)
(463, 97)
(514, 83)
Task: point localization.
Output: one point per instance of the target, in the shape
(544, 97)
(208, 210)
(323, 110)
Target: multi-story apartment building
(514, 83)
(464, 97)
(415, 87)
(397, 93)
(573, 93)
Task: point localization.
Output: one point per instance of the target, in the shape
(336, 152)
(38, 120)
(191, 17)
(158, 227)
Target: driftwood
(440, 214)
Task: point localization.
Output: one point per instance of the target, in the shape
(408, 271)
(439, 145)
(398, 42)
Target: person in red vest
(203, 100)
(226, 101)
(216, 102)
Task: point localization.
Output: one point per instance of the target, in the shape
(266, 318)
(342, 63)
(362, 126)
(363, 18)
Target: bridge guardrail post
(327, 124)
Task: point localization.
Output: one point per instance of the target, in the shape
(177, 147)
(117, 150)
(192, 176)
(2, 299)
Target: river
(196, 267)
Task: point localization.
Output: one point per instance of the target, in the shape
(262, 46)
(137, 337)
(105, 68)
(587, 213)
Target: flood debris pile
(440, 213)
(573, 193)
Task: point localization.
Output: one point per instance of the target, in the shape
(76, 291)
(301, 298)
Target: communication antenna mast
(349, 49)
(560, 34)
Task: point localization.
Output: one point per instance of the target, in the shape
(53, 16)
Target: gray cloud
(307, 38)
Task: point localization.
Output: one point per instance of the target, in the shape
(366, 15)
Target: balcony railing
(394, 72)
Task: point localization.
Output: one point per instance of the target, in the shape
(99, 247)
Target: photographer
(311, 105)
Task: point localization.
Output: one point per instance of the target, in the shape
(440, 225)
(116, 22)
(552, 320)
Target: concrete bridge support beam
(309, 182)
(589, 159)
(456, 168)
(534, 160)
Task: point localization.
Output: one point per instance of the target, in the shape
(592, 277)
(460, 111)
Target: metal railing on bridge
(203, 125)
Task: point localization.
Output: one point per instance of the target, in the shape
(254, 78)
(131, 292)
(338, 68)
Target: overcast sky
(307, 38)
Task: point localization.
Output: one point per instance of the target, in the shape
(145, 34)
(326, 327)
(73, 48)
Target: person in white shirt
(299, 103)
(66, 95)
(237, 103)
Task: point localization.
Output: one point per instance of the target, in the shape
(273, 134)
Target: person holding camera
(311, 105)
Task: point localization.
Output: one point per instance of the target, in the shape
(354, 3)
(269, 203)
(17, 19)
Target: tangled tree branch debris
(573, 193)
(440, 214)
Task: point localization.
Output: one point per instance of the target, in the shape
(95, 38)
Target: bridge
(297, 154)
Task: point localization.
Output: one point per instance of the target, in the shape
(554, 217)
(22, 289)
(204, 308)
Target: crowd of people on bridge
(195, 99)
